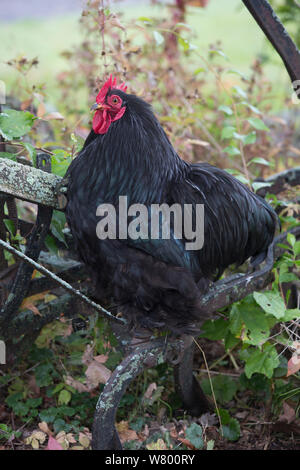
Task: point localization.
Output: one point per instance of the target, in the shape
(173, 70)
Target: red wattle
(103, 119)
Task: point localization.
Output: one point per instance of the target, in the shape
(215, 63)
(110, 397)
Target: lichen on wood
(30, 184)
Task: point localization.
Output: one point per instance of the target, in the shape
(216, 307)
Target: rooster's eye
(115, 100)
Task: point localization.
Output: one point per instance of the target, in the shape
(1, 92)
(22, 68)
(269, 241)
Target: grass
(228, 21)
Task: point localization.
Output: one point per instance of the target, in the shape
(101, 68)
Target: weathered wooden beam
(31, 184)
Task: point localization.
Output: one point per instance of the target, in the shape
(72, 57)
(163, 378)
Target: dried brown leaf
(125, 433)
(96, 374)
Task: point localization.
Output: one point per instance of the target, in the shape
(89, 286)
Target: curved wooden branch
(270, 24)
(187, 386)
(105, 436)
(233, 288)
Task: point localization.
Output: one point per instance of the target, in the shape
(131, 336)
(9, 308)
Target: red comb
(108, 85)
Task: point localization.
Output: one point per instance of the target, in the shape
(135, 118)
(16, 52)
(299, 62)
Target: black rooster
(154, 281)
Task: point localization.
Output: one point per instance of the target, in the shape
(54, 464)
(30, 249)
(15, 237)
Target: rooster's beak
(96, 106)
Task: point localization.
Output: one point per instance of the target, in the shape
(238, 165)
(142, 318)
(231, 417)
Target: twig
(215, 372)
(210, 382)
(62, 283)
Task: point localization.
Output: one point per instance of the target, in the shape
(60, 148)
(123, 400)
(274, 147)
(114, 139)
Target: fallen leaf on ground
(79, 386)
(158, 445)
(96, 374)
(53, 444)
(44, 427)
(84, 440)
(288, 414)
(149, 392)
(186, 442)
(126, 434)
(102, 358)
(35, 439)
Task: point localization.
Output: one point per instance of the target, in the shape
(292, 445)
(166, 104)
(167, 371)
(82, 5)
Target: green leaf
(219, 52)
(49, 414)
(145, 19)
(258, 124)
(257, 185)
(246, 139)
(51, 244)
(13, 399)
(291, 239)
(195, 435)
(286, 247)
(250, 106)
(230, 426)
(34, 402)
(64, 397)
(242, 179)
(262, 362)
(231, 171)
(261, 161)
(232, 151)
(57, 225)
(291, 314)
(9, 156)
(250, 138)
(239, 91)
(199, 70)
(66, 411)
(10, 225)
(43, 374)
(297, 248)
(159, 39)
(228, 132)
(60, 161)
(214, 329)
(21, 409)
(31, 152)
(237, 72)
(255, 321)
(138, 424)
(15, 124)
(288, 277)
(224, 388)
(58, 388)
(230, 340)
(59, 424)
(210, 445)
(184, 43)
(258, 383)
(235, 318)
(225, 110)
(271, 302)
(183, 25)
